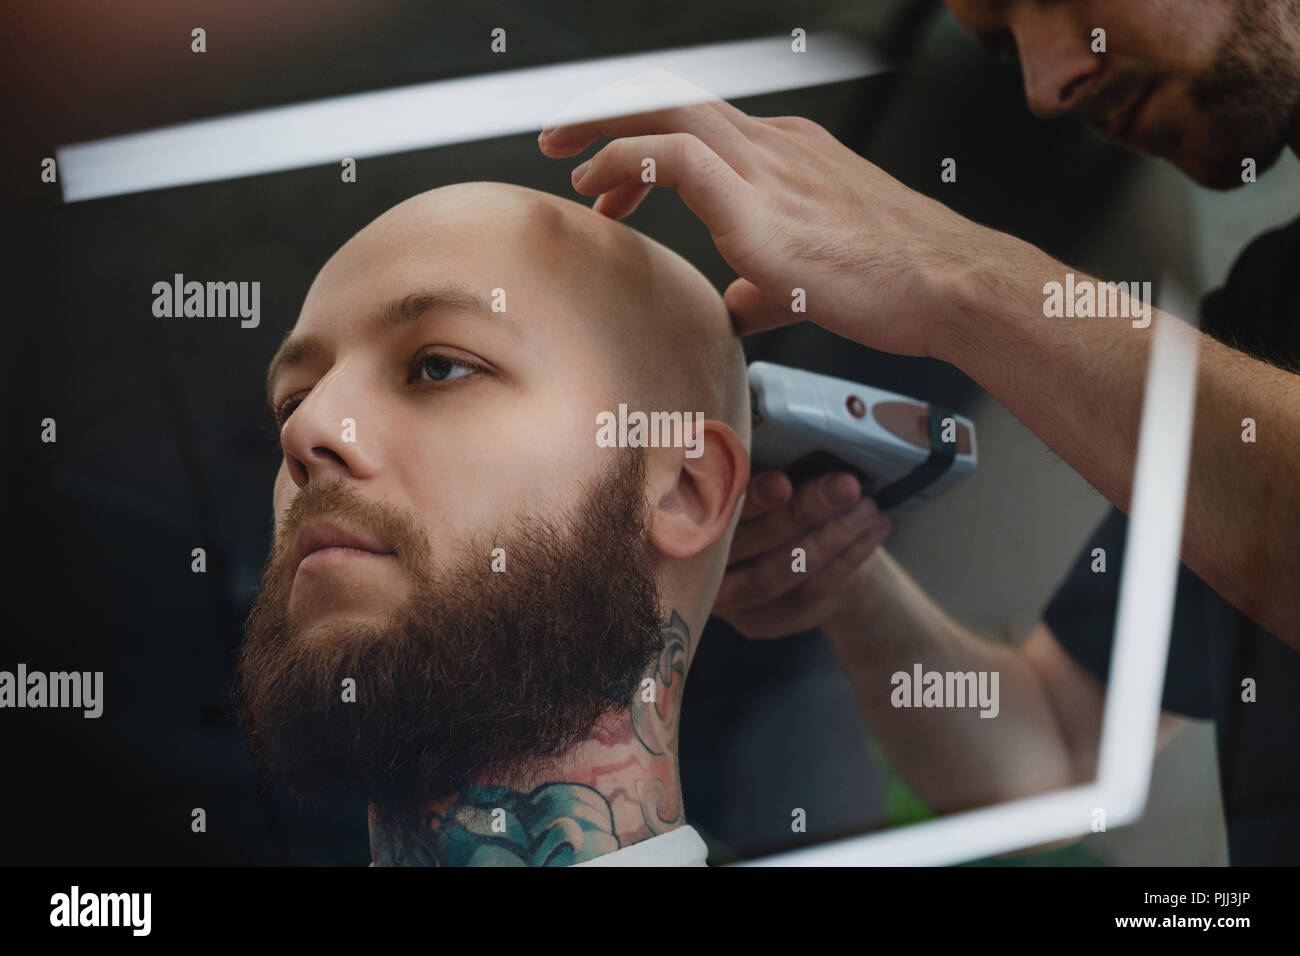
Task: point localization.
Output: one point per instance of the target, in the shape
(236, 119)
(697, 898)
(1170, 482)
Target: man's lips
(316, 536)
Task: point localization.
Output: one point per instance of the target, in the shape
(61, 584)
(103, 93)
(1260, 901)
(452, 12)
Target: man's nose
(1057, 60)
(327, 437)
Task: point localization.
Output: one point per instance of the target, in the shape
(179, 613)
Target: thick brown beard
(481, 674)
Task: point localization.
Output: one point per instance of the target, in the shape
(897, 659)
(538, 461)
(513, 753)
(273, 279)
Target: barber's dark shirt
(1214, 647)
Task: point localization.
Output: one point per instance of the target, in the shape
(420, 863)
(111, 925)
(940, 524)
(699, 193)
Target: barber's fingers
(695, 111)
(811, 603)
(831, 552)
(812, 503)
(772, 572)
(766, 491)
(713, 190)
(750, 310)
(620, 202)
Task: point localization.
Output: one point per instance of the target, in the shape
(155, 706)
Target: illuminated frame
(1137, 667)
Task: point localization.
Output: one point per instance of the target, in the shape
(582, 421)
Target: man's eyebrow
(399, 312)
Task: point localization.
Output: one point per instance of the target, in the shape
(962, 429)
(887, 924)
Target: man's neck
(618, 787)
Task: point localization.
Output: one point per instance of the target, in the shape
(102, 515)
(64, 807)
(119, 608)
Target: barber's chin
(1219, 177)
(1217, 160)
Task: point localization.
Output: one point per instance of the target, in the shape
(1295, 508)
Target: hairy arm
(1045, 736)
(1078, 384)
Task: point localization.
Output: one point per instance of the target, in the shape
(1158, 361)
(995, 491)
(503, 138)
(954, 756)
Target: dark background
(164, 443)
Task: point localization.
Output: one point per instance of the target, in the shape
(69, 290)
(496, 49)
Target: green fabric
(903, 807)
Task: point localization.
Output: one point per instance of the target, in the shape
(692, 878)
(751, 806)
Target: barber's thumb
(750, 311)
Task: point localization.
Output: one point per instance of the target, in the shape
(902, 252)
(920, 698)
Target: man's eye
(286, 407)
(430, 368)
(442, 368)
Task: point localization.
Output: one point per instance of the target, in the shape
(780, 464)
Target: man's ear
(697, 496)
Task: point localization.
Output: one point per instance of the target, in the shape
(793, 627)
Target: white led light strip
(431, 114)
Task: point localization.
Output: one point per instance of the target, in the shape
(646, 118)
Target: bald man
(478, 611)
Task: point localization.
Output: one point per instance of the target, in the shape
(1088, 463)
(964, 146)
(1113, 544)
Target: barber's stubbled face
(1203, 84)
(421, 431)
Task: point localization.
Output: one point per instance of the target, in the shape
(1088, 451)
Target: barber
(789, 206)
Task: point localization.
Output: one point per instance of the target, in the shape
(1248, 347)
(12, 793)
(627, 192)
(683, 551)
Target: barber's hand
(789, 207)
(761, 594)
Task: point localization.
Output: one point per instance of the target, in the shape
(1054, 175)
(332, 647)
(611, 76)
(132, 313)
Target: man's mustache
(1109, 96)
(342, 505)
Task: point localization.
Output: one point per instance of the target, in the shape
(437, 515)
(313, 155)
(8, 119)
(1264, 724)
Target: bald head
(663, 325)
(660, 324)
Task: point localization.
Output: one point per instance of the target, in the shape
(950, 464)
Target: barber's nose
(326, 438)
(1057, 60)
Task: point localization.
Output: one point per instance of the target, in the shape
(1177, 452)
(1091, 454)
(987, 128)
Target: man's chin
(307, 614)
(341, 628)
(368, 600)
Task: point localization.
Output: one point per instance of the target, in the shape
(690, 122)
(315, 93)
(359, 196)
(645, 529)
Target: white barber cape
(679, 847)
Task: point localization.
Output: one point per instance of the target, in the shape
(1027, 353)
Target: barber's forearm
(951, 756)
(1078, 384)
